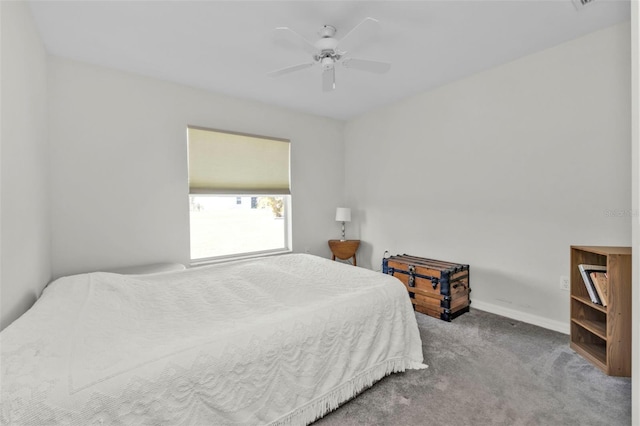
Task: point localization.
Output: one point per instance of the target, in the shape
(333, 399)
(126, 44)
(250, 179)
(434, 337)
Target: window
(238, 194)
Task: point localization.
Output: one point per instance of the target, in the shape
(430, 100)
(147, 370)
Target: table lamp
(343, 214)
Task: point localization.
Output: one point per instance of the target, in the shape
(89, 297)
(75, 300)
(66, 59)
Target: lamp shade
(343, 214)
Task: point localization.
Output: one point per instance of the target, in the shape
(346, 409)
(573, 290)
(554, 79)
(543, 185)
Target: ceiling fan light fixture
(327, 63)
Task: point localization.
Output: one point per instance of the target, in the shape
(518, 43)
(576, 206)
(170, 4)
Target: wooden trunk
(437, 288)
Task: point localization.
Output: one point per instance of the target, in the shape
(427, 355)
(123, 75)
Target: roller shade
(233, 163)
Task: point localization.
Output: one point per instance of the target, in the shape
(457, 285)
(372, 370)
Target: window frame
(287, 199)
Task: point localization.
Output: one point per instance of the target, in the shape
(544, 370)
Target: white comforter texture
(277, 340)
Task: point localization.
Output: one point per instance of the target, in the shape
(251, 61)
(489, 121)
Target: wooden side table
(344, 250)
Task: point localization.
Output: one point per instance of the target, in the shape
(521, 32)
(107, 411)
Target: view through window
(224, 225)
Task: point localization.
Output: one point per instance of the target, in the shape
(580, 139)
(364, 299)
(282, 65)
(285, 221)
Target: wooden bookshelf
(602, 334)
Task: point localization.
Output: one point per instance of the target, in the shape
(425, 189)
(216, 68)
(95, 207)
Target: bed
(276, 340)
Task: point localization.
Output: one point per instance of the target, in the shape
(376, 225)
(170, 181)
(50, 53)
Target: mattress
(277, 340)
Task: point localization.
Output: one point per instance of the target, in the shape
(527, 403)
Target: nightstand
(344, 250)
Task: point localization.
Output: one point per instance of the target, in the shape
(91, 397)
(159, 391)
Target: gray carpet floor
(485, 369)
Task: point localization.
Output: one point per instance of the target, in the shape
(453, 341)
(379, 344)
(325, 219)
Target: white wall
(119, 165)
(504, 171)
(25, 255)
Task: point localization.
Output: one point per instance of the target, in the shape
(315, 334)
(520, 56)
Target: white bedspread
(279, 340)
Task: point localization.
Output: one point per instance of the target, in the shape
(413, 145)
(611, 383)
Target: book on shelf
(585, 270)
(600, 282)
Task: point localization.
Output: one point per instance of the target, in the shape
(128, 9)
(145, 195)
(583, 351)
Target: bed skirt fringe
(328, 402)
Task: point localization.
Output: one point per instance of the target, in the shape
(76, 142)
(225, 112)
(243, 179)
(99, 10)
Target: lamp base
(343, 239)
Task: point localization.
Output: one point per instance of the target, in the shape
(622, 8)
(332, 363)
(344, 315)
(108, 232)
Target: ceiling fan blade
(298, 40)
(358, 34)
(290, 69)
(367, 65)
(328, 79)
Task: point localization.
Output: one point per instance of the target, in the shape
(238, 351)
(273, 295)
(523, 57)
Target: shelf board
(604, 250)
(586, 301)
(597, 354)
(598, 328)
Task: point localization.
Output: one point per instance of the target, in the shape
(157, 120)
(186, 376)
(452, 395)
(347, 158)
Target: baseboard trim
(521, 316)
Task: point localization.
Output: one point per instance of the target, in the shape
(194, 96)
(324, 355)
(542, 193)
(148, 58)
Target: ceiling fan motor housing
(326, 43)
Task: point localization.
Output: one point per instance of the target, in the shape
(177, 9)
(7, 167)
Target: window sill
(231, 258)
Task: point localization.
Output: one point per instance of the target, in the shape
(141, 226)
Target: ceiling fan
(328, 51)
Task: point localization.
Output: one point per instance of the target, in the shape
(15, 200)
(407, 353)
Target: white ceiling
(229, 46)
